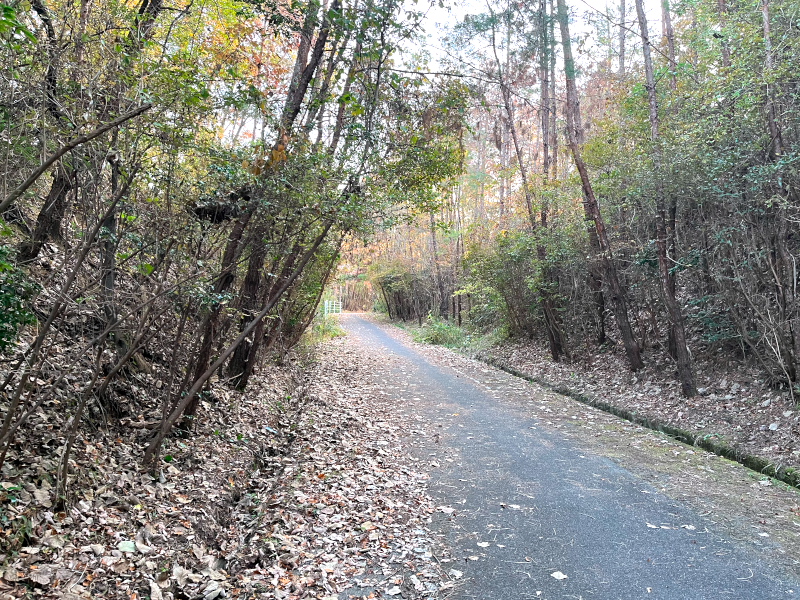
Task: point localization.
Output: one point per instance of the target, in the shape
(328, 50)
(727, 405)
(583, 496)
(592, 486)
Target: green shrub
(441, 333)
(15, 292)
(323, 328)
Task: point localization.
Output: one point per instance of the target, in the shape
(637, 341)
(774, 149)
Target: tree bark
(305, 71)
(669, 35)
(249, 299)
(48, 223)
(662, 241)
(591, 207)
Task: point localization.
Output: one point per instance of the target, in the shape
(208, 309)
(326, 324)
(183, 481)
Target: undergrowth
(323, 328)
(437, 331)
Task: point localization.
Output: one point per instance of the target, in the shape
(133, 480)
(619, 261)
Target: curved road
(529, 507)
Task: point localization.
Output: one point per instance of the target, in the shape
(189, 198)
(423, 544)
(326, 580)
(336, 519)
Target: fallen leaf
(42, 575)
(155, 591)
(42, 498)
(180, 575)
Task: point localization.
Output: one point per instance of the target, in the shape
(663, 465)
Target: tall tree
(575, 137)
(665, 261)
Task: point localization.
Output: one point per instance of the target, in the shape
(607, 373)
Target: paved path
(529, 503)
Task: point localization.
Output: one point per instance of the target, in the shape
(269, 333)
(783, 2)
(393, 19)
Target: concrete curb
(788, 475)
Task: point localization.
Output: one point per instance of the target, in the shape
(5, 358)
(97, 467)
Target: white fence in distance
(332, 307)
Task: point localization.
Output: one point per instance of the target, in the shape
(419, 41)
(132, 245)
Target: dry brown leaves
(286, 491)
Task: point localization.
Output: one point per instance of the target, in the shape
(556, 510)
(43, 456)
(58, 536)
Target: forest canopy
(177, 183)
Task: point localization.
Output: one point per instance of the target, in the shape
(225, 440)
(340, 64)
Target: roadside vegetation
(627, 214)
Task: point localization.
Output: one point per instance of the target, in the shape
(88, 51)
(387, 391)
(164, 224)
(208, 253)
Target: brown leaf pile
(298, 488)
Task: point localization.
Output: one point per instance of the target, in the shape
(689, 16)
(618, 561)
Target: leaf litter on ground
(297, 488)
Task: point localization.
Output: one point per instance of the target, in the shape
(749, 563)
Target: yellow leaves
(277, 156)
(262, 163)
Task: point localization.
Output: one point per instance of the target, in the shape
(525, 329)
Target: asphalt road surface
(534, 516)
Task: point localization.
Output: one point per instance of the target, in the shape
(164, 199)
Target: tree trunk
(48, 223)
(622, 32)
(669, 36)
(251, 357)
(108, 252)
(667, 285)
(776, 145)
(591, 207)
(224, 281)
(552, 318)
(722, 7)
(249, 305)
(443, 302)
(553, 100)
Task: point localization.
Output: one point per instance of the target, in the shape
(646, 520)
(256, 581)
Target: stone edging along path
(788, 475)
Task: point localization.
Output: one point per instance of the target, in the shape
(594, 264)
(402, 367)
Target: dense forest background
(622, 188)
(177, 182)
(184, 182)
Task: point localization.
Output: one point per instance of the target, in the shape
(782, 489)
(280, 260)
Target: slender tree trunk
(249, 305)
(664, 264)
(48, 223)
(223, 283)
(591, 207)
(388, 304)
(502, 146)
(553, 99)
(544, 112)
(258, 334)
(526, 188)
(552, 318)
(669, 35)
(722, 8)
(443, 301)
(776, 145)
(108, 251)
(785, 285)
(348, 82)
(622, 33)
